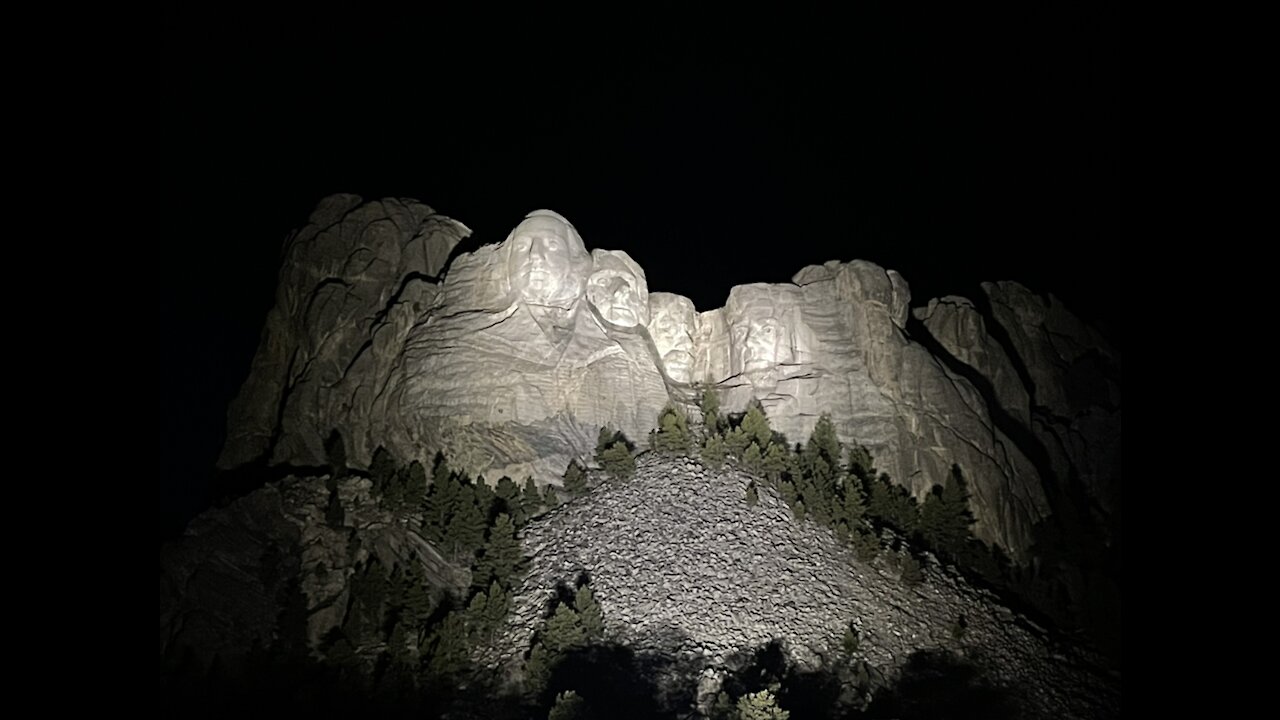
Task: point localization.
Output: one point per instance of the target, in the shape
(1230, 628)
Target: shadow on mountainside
(939, 685)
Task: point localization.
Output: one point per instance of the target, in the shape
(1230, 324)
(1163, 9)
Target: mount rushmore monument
(511, 357)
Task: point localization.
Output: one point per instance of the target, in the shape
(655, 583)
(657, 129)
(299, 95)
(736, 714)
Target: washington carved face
(546, 261)
(617, 289)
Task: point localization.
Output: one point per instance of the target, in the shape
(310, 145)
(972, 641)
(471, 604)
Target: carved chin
(542, 281)
(623, 316)
(763, 380)
(680, 372)
(679, 365)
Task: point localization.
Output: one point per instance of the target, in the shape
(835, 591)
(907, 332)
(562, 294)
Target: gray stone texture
(683, 567)
(510, 358)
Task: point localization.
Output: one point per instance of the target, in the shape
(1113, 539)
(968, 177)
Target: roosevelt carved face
(672, 328)
(759, 339)
(546, 260)
(617, 288)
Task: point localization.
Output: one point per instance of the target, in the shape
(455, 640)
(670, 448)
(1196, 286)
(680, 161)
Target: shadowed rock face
(510, 358)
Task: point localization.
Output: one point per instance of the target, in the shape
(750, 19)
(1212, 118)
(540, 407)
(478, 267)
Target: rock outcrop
(511, 357)
(1053, 383)
(228, 581)
(691, 580)
(352, 283)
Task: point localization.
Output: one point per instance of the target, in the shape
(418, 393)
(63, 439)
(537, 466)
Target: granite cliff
(511, 357)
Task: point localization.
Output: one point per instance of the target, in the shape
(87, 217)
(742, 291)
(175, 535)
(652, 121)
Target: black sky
(955, 148)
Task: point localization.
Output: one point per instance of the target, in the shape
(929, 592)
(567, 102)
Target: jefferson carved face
(617, 288)
(759, 340)
(546, 260)
(672, 328)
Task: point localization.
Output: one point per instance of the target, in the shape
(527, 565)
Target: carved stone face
(672, 328)
(546, 260)
(759, 339)
(617, 288)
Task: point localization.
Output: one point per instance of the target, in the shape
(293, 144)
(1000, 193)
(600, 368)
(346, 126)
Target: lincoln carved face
(673, 327)
(546, 260)
(617, 288)
(759, 339)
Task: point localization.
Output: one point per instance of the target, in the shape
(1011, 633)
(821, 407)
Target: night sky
(954, 148)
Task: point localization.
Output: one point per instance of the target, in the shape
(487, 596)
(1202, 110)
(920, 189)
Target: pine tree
(537, 669)
(823, 451)
(440, 472)
(569, 706)
(736, 442)
(382, 470)
(414, 599)
(450, 653)
(860, 465)
(752, 462)
(775, 461)
(550, 496)
(850, 641)
(853, 504)
(414, 482)
(712, 421)
(714, 451)
(760, 706)
(893, 505)
(564, 631)
(575, 480)
(788, 492)
(486, 499)
(439, 504)
(756, 425)
(813, 499)
(945, 517)
(508, 500)
(752, 497)
(502, 559)
(672, 436)
(531, 499)
(589, 614)
(605, 440)
(496, 608)
(465, 531)
(477, 617)
(617, 461)
(912, 573)
(865, 544)
(398, 645)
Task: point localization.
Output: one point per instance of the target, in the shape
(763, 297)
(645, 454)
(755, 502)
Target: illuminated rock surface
(684, 568)
(511, 357)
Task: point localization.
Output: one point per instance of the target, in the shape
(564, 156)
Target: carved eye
(523, 242)
(552, 243)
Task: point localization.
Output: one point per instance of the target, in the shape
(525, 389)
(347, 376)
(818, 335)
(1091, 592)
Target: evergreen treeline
(821, 481)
